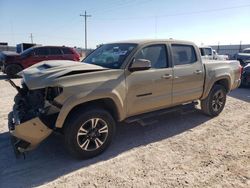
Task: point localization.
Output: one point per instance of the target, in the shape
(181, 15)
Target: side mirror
(140, 64)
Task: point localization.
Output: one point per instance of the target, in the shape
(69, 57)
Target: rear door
(68, 54)
(55, 53)
(149, 90)
(189, 74)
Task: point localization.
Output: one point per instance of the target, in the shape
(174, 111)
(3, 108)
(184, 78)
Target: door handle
(198, 72)
(167, 76)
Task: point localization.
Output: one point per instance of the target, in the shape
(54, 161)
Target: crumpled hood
(44, 73)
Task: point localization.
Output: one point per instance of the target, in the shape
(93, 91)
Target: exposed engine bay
(34, 103)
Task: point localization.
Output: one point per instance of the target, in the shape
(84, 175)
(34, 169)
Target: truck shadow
(241, 94)
(50, 160)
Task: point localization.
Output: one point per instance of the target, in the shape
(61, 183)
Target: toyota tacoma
(85, 100)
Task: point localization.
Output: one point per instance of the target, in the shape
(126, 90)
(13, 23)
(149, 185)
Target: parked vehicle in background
(243, 56)
(85, 100)
(24, 46)
(206, 52)
(220, 57)
(14, 63)
(209, 53)
(4, 55)
(245, 78)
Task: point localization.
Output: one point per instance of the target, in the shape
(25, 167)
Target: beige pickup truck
(121, 81)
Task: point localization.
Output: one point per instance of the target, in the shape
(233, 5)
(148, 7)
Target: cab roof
(145, 41)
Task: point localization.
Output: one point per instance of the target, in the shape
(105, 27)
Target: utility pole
(85, 23)
(240, 46)
(31, 38)
(218, 49)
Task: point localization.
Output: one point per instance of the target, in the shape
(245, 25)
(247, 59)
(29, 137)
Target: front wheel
(12, 70)
(215, 101)
(89, 132)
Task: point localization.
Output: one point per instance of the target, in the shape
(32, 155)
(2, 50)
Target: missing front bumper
(27, 135)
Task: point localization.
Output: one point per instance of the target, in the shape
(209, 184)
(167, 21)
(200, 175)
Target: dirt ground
(179, 150)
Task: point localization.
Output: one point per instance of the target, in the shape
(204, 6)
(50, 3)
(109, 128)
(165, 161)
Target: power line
(180, 14)
(119, 5)
(85, 23)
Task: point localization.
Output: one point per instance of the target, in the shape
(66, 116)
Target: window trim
(189, 45)
(168, 64)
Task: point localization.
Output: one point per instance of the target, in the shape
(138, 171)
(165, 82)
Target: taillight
(77, 58)
(241, 70)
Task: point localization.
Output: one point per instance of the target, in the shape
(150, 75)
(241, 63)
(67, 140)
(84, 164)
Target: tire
(82, 140)
(12, 70)
(215, 101)
(243, 83)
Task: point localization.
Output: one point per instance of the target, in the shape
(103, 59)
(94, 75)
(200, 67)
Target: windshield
(110, 55)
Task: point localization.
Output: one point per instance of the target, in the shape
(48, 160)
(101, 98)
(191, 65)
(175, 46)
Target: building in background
(5, 47)
(230, 50)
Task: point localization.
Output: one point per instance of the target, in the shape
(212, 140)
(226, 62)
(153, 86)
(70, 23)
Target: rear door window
(55, 51)
(41, 51)
(183, 54)
(67, 51)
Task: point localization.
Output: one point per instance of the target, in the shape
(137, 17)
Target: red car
(14, 63)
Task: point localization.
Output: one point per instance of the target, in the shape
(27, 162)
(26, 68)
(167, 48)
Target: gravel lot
(179, 150)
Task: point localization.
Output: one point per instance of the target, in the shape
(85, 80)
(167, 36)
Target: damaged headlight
(53, 92)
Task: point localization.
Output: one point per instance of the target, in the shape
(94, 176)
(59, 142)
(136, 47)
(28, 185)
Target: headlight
(53, 92)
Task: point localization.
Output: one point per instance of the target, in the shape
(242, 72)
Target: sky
(58, 22)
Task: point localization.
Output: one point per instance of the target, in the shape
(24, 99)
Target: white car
(209, 53)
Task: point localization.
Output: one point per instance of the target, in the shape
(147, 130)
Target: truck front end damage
(33, 117)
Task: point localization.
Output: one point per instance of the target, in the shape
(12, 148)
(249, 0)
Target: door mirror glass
(140, 64)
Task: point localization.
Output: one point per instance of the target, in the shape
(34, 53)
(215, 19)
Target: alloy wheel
(92, 134)
(218, 101)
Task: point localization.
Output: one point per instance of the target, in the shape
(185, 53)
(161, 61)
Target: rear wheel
(243, 83)
(12, 70)
(89, 132)
(215, 101)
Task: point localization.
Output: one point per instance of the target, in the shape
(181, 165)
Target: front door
(39, 54)
(149, 90)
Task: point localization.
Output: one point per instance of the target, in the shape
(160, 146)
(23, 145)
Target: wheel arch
(18, 64)
(225, 81)
(13, 64)
(105, 103)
